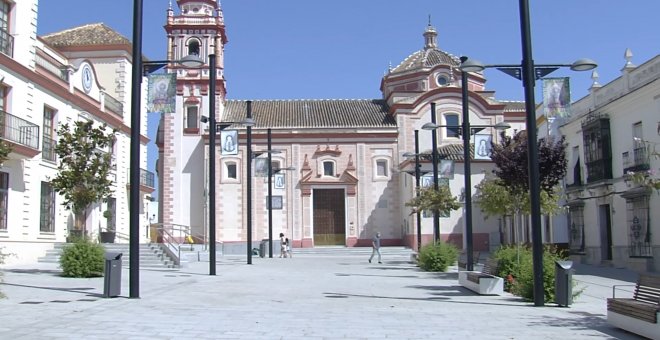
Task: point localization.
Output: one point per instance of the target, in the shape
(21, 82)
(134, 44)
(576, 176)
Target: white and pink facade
(350, 177)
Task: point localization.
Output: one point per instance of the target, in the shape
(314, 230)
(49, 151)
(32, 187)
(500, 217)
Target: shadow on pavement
(368, 275)
(34, 271)
(80, 290)
(446, 290)
(514, 302)
(344, 295)
(583, 321)
(607, 272)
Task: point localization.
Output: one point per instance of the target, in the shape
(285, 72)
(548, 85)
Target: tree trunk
(81, 218)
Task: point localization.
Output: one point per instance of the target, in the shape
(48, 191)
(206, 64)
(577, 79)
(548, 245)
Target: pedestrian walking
(375, 247)
(282, 245)
(288, 248)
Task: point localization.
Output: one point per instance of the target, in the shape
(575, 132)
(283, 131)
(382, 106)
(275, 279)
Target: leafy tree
(495, 199)
(84, 167)
(510, 157)
(508, 194)
(430, 199)
(5, 149)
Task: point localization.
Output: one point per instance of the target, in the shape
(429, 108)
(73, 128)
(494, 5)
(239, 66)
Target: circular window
(442, 80)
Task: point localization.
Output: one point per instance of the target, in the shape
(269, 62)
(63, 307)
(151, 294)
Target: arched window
(453, 128)
(193, 47)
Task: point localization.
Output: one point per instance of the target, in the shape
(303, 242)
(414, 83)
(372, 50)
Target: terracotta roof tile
(313, 113)
(86, 35)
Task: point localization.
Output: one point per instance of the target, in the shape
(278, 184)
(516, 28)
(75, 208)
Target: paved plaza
(310, 296)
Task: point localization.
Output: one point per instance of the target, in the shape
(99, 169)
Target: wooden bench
(462, 259)
(641, 314)
(484, 282)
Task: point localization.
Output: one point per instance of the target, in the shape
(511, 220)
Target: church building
(338, 170)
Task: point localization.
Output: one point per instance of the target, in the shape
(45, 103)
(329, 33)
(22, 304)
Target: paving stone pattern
(313, 295)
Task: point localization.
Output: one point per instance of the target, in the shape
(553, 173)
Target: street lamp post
(212, 132)
(529, 73)
(434, 160)
(270, 195)
(139, 69)
(417, 173)
(467, 171)
(214, 127)
(249, 184)
(270, 174)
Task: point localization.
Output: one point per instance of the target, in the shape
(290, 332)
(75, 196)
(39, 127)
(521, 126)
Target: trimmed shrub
(82, 259)
(516, 266)
(437, 257)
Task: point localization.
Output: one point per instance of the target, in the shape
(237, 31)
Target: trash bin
(112, 275)
(564, 283)
(263, 246)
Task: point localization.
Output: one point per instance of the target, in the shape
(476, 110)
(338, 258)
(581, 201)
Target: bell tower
(198, 29)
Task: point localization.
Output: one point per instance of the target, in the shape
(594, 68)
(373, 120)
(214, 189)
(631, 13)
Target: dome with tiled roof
(429, 56)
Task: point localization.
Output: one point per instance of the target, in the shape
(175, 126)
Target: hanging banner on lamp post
(482, 146)
(229, 142)
(556, 97)
(161, 94)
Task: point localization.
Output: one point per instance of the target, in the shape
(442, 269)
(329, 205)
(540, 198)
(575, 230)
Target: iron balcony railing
(18, 130)
(48, 150)
(147, 178)
(6, 43)
(636, 160)
(53, 67)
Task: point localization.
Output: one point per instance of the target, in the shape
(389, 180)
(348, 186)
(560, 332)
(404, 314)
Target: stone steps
(151, 256)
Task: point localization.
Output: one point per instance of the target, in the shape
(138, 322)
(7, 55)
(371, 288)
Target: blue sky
(340, 49)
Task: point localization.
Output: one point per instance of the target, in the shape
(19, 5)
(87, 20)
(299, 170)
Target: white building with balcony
(78, 74)
(613, 131)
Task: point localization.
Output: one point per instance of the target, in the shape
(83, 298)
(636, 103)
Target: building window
(193, 47)
(453, 129)
(192, 117)
(577, 167)
(47, 216)
(638, 222)
(576, 229)
(4, 199)
(231, 169)
(328, 168)
(4, 91)
(48, 147)
(381, 168)
(6, 39)
(597, 148)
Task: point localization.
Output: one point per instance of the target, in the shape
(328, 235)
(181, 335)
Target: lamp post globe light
(528, 72)
(139, 69)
